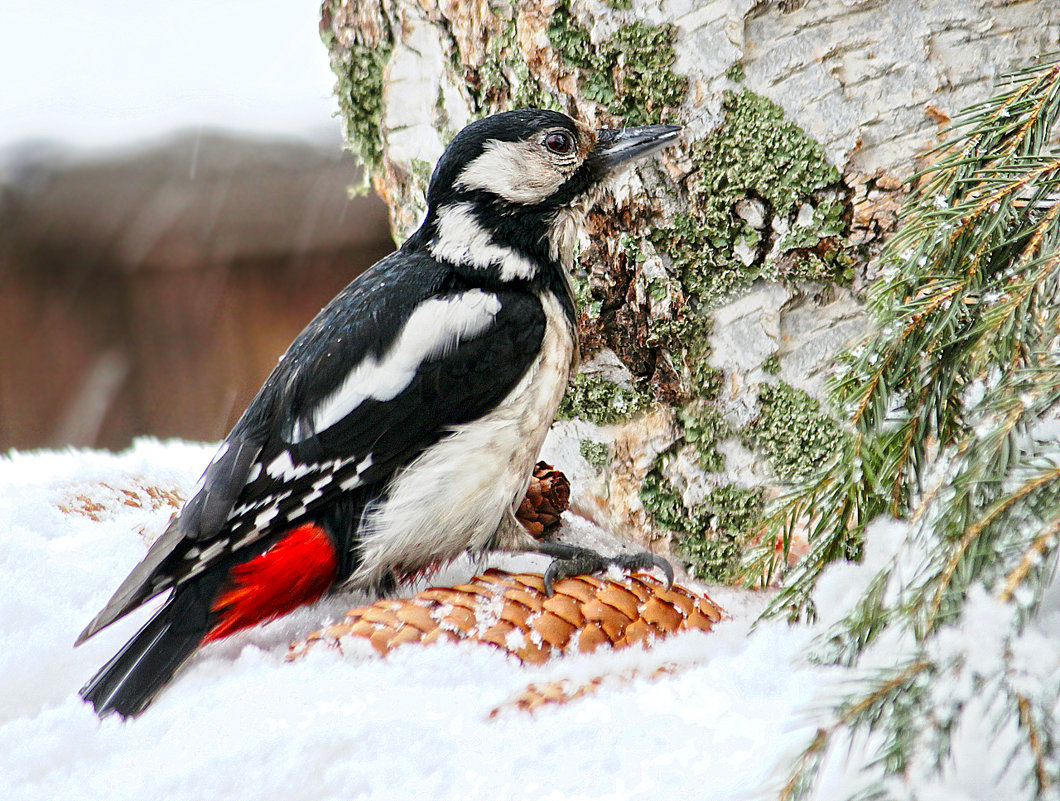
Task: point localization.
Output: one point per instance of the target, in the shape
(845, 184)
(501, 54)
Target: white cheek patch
(461, 240)
(434, 329)
(517, 171)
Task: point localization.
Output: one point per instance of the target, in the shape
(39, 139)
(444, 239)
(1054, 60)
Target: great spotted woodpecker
(401, 427)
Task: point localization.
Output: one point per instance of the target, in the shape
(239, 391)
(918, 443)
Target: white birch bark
(873, 82)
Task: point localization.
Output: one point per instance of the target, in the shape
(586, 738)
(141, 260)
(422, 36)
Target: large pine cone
(512, 612)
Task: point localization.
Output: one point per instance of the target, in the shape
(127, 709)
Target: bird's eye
(560, 143)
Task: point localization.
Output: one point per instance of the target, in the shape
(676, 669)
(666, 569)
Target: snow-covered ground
(239, 722)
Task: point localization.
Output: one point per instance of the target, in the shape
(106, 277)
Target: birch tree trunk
(719, 280)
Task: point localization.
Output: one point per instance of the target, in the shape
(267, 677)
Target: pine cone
(512, 612)
(564, 690)
(546, 499)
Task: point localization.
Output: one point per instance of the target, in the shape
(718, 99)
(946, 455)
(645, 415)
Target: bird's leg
(572, 560)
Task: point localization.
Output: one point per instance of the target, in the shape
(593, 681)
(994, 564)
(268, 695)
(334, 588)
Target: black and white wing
(396, 361)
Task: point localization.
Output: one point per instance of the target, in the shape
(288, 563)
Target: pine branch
(1035, 741)
(972, 533)
(1034, 554)
(860, 710)
(972, 269)
(945, 401)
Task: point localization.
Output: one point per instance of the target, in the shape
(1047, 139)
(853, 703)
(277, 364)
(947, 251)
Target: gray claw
(646, 560)
(547, 581)
(573, 561)
(582, 562)
(667, 569)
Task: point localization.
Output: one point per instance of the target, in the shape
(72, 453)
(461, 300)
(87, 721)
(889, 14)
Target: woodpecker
(400, 428)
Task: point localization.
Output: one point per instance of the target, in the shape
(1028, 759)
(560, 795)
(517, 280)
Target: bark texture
(718, 281)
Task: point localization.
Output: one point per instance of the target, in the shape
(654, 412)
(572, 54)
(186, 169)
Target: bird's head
(510, 191)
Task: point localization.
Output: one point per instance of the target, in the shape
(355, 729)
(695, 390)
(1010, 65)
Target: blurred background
(174, 208)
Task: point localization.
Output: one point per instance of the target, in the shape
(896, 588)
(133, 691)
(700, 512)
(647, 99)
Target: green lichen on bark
(600, 401)
(704, 380)
(710, 534)
(584, 302)
(687, 340)
(792, 431)
(358, 69)
(570, 39)
(645, 83)
(704, 428)
(715, 555)
(596, 454)
(503, 80)
(631, 73)
(762, 202)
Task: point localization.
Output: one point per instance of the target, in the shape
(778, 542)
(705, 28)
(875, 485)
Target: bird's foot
(571, 560)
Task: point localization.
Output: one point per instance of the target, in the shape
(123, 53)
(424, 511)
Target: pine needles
(952, 406)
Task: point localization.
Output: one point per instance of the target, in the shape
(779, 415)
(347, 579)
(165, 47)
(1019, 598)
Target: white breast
(455, 495)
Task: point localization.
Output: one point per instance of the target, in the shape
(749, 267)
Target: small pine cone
(547, 498)
(564, 691)
(512, 612)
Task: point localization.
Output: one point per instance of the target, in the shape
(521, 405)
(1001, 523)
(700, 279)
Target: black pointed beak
(618, 146)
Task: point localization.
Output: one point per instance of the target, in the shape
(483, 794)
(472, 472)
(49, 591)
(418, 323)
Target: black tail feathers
(132, 678)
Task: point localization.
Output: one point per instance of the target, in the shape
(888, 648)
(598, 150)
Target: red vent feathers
(297, 570)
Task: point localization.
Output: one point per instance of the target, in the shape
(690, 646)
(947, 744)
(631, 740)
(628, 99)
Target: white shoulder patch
(434, 329)
(461, 240)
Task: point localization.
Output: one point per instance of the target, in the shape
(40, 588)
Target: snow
(240, 722)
